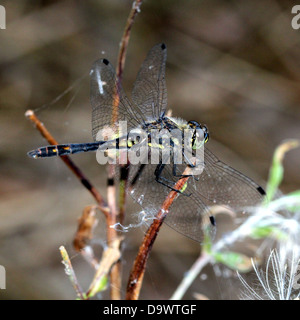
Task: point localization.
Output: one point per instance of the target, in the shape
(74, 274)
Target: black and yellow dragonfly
(150, 184)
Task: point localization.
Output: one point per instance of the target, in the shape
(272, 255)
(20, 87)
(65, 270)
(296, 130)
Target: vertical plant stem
(137, 273)
(119, 71)
(110, 208)
(70, 272)
(139, 266)
(115, 275)
(126, 36)
(109, 258)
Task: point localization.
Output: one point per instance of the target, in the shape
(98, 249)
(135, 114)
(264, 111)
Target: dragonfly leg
(138, 174)
(164, 181)
(182, 175)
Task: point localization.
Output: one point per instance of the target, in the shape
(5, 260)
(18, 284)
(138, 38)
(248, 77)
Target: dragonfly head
(196, 126)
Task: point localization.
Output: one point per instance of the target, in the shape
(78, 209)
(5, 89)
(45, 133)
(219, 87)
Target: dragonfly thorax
(169, 132)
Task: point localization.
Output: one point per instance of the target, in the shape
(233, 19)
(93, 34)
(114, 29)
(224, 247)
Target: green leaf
(277, 171)
(101, 286)
(293, 201)
(207, 241)
(261, 232)
(233, 260)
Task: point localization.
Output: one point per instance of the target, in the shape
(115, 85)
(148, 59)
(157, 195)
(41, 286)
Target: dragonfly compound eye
(200, 134)
(206, 133)
(194, 124)
(199, 138)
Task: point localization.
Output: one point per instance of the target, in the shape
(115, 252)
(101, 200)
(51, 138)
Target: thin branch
(84, 234)
(115, 274)
(70, 272)
(136, 7)
(122, 54)
(67, 160)
(109, 208)
(191, 275)
(139, 266)
(111, 189)
(110, 256)
(105, 208)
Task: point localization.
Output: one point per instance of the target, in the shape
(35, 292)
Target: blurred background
(233, 65)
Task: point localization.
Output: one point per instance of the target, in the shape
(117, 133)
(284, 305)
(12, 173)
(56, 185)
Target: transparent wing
(223, 185)
(149, 91)
(187, 214)
(109, 102)
(218, 184)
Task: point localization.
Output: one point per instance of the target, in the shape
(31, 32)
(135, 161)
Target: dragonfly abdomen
(64, 149)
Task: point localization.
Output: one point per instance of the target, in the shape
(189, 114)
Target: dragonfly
(217, 184)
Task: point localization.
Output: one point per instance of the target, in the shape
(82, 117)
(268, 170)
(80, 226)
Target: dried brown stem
(119, 71)
(109, 209)
(125, 38)
(110, 256)
(103, 206)
(70, 271)
(67, 160)
(86, 225)
(139, 266)
(84, 234)
(115, 275)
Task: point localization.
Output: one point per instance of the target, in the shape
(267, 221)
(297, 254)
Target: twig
(70, 272)
(67, 160)
(122, 54)
(191, 275)
(119, 71)
(110, 256)
(109, 208)
(111, 189)
(86, 224)
(139, 266)
(125, 38)
(115, 274)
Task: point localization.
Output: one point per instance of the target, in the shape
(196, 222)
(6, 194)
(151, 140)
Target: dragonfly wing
(192, 211)
(220, 184)
(109, 102)
(187, 215)
(149, 91)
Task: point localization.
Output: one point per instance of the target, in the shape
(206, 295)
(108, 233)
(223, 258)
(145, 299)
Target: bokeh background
(233, 65)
